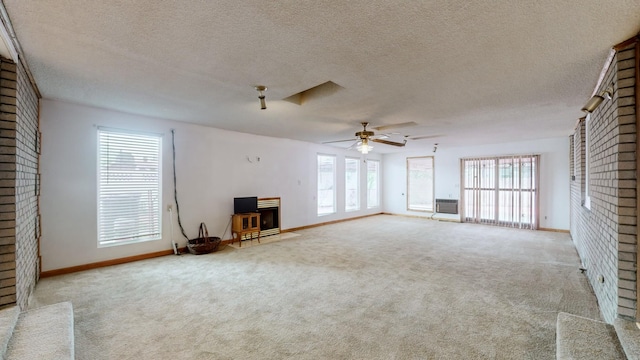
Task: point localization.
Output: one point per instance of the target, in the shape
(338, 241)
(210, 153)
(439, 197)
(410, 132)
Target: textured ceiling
(471, 72)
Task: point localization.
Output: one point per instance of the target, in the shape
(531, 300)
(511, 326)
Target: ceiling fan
(421, 137)
(365, 136)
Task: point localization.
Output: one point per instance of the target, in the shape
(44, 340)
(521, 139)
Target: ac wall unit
(447, 206)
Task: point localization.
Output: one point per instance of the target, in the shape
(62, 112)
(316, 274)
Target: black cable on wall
(175, 186)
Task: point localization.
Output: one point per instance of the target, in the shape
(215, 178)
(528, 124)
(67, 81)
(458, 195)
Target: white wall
(212, 169)
(554, 176)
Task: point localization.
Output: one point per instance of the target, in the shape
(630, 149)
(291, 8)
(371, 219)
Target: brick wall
(27, 188)
(605, 233)
(18, 188)
(625, 94)
(7, 183)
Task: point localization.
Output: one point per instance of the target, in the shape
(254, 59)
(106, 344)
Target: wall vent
(447, 206)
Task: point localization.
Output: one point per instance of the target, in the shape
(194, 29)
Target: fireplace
(269, 209)
(268, 218)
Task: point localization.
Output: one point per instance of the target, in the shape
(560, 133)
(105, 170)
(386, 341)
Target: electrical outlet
(169, 207)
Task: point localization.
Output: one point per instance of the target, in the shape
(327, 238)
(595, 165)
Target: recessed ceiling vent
(317, 92)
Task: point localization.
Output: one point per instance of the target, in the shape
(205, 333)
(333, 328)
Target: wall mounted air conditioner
(447, 206)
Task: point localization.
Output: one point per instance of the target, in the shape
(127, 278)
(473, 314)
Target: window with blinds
(129, 187)
(352, 184)
(587, 173)
(501, 190)
(326, 184)
(420, 183)
(373, 187)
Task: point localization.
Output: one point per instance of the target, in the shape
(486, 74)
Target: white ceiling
(471, 72)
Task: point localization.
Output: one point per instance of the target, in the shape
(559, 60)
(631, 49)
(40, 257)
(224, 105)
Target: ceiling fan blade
(381, 136)
(423, 137)
(393, 143)
(354, 145)
(336, 141)
(394, 126)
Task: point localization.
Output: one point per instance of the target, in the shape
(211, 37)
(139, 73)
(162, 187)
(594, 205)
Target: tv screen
(243, 205)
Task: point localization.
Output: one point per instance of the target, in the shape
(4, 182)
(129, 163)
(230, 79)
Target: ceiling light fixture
(261, 89)
(596, 100)
(364, 148)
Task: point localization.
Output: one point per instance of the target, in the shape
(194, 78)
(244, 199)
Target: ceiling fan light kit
(261, 89)
(364, 148)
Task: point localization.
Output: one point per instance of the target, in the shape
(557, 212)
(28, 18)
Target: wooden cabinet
(245, 224)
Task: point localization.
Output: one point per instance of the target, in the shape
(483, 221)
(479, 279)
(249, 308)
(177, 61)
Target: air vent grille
(447, 206)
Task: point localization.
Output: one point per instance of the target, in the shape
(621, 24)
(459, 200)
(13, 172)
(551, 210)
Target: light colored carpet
(629, 336)
(382, 287)
(580, 338)
(265, 240)
(44, 333)
(8, 320)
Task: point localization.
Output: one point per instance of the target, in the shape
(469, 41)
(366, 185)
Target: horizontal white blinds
(129, 170)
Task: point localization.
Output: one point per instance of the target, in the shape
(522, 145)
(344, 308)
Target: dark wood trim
(577, 125)
(636, 89)
(624, 44)
(554, 230)
(426, 217)
(226, 242)
(17, 48)
(106, 263)
(129, 259)
(327, 223)
(460, 221)
(603, 72)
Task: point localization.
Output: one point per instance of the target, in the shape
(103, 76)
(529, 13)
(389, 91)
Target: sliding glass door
(501, 190)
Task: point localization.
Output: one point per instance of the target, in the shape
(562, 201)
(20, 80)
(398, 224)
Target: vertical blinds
(129, 173)
(501, 190)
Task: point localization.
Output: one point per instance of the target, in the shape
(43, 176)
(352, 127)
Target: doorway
(501, 190)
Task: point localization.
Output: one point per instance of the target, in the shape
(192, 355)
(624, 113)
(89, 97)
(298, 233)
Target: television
(243, 205)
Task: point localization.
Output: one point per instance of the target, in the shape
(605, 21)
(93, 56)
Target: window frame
(409, 206)
(357, 183)
(155, 225)
(587, 157)
(334, 192)
(377, 176)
